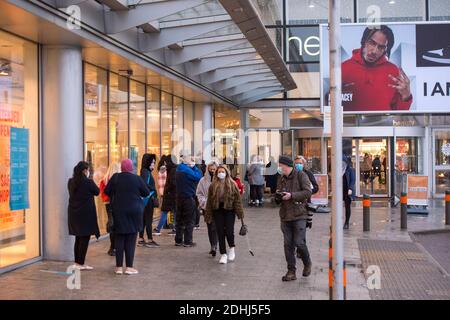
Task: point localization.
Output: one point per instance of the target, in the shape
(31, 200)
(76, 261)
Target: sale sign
(417, 190)
(321, 197)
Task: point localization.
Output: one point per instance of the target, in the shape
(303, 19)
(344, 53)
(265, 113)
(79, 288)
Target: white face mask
(221, 175)
(191, 164)
(87, 174)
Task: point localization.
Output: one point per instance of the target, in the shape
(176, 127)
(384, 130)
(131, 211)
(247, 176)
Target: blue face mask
(279, 170)
(299, 166)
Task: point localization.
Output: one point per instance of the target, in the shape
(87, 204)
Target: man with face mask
(187, 177)
(293, 190)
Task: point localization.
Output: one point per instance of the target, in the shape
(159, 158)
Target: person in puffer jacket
(202, 196)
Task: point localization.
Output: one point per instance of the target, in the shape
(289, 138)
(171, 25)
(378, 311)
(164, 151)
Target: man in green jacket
(293, 192)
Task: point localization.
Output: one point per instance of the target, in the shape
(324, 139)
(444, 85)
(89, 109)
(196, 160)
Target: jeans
(184, 220)
(162, 220)
(148, 221)
(224, 220)
(125, 243)
(294, 233)
(80, 249)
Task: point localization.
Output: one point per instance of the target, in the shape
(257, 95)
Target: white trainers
(223, 259)
(86, 267)
(231, 254)
(118, 270)
(131, 271)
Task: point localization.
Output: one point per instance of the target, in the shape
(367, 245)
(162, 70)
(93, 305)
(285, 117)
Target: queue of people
(130, 200)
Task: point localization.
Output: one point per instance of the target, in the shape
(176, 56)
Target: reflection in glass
(118, 118)
(166, 122)
(137, 123)
(153, 119)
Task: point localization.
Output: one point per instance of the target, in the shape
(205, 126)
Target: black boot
(307, 269)
(346, 226)
(289, 276)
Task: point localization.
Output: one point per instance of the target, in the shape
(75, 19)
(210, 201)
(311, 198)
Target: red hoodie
(365, 88)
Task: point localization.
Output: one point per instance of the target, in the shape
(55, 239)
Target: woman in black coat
(82, 213)
(148, 164)
(126, 191)
(170, 189)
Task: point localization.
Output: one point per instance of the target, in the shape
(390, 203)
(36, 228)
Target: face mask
(192, 164)
(211, 173)
(221, 175)
(279, 170)
(299, 166)
(87, 174)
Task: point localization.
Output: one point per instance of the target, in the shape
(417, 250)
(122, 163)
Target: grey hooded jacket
(202, 190)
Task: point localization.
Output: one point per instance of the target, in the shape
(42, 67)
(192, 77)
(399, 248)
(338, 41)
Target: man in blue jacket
(187, 177)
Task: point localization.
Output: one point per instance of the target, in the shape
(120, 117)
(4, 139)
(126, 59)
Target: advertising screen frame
(322, 26)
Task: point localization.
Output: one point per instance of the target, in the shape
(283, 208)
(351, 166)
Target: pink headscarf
(127, 165)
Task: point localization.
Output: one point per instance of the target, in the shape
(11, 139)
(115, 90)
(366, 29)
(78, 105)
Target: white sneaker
(231, 254)
(86, 267)
(223, 259)
(131, 271)
(118, 271)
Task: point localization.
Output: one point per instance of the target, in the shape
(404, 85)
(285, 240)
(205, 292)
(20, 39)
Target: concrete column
(203, 126)
(62, 143)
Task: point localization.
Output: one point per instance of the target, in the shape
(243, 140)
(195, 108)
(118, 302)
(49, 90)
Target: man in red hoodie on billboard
(369, 81)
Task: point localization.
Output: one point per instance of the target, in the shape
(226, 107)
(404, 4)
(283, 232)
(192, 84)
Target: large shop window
(153, 121)
(166, 123)
(137, 123)
(19, 145)
(118, 118)
(388, 11)
(315, 11)
(96, 129)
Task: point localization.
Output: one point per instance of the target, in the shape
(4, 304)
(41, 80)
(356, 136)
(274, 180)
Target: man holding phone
(293, 192)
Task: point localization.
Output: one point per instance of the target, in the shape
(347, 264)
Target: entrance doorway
(373, 166)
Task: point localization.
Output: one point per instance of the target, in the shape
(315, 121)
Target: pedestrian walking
(126, 190)
(202, 196)
(256, 181)
(82, 213)
(293, 192)
(224, 203)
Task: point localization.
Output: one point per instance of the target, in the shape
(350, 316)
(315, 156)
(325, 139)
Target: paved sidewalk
(173, 272)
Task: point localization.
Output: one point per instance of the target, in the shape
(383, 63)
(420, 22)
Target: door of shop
(441, 162)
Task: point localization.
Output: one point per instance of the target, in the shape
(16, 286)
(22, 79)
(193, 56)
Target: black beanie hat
(286, 160)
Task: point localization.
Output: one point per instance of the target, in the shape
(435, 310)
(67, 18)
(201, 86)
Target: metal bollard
(403, 211)
(447, 207)
(366, 212)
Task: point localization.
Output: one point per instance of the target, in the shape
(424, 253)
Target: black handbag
(244, 229)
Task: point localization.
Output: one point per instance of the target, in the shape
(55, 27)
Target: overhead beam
(258, 97)
(115, 4)
(205, 65)
(66, 3)
(238, 80)
(150, 42)
(254, 93)
(224, 73)
(247, 87)
(121, 20)
(191, 52)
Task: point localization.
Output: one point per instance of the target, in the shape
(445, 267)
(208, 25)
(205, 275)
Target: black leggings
(224, 220)
(80, 249)
(125, 243)
(148, 221)
(348, 209)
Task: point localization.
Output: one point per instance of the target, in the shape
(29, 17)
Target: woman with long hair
(223, 205)
(148, 164)
(112, 169)
(82, 213)
(162, 178)
(127, 189)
